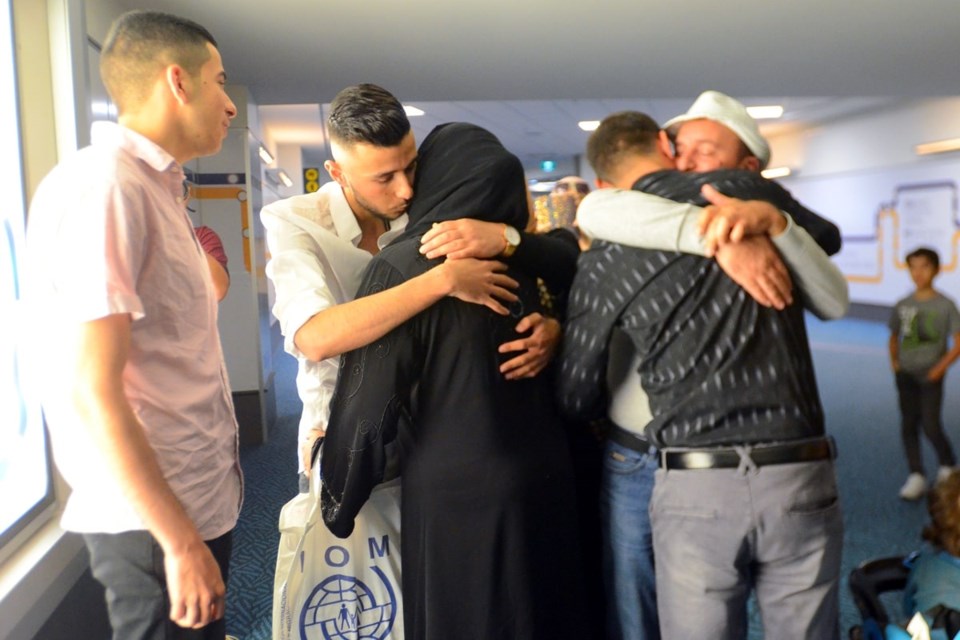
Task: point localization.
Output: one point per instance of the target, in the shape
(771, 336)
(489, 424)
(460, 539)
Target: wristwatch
(512, 238)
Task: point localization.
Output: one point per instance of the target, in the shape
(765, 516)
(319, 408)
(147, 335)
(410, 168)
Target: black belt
(627, 439)
(761, 455)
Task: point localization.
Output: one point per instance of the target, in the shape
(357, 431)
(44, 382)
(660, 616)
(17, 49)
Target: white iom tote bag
(327, 587)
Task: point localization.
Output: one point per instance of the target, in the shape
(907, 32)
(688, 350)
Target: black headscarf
(464, 172)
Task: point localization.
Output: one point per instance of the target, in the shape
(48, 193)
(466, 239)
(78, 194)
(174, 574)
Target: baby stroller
(867, 583)
(870, 581)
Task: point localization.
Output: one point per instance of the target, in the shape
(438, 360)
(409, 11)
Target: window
(101, 106)
(25, 478)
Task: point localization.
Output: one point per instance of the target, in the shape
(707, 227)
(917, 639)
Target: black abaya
(488, 516)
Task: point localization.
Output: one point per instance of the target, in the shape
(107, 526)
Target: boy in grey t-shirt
(919, 327)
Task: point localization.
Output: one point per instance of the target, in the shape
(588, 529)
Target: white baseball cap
(719, 107)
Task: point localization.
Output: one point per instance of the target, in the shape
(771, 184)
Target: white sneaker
(914, 487)
(943, 473)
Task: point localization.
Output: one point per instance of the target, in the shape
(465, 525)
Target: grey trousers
(718, 533)
(130, 567)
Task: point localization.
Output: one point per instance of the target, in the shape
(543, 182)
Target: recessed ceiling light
(768, 112)
(940, 146)
(412, 111)
(265, 155)
(543, 187)
(776, 172)
(589, 125)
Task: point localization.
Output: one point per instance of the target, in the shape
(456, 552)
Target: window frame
(42, 510)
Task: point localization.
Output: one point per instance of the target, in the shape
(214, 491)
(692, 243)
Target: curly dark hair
(943, 503)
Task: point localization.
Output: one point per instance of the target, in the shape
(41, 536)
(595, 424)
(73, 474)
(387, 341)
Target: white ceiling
(530, 69)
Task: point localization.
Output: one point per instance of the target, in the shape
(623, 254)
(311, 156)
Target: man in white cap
(716, 133)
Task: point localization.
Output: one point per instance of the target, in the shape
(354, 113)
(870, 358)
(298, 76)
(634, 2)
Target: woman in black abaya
(488, 520)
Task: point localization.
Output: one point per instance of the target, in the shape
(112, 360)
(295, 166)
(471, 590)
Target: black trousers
(921, 404)
(130, 566)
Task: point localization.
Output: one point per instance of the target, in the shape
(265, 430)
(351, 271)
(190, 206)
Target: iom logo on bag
(344, 607)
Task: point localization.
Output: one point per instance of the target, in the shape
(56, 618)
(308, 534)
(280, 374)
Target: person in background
(920, 326)
(213, 248)
(572, 185)
(216, 259)
(585, 439)
(134, 385)
(558, 208)
(566, 196)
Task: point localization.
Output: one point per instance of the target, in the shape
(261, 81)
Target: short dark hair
(367, 113)
(925, 252)
(141, 43)
(620, 134)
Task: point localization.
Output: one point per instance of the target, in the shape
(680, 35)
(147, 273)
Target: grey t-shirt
(922, 327)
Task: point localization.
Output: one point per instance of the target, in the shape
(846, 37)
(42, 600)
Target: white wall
(864, 174)
(100, 14)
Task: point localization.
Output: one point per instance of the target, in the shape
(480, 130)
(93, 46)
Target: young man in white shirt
(320, 243)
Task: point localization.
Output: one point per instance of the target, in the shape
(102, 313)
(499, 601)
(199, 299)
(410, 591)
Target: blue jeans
(625, 490)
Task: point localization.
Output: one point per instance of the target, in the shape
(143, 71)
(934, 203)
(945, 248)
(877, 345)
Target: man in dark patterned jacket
(746, 496)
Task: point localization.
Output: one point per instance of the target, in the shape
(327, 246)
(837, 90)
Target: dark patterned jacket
(718, 368)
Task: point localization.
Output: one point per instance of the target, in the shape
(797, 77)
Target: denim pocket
(621, 460)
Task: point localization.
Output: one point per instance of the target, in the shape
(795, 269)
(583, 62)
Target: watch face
(512, 235)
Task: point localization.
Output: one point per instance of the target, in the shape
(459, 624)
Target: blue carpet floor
(859, 398)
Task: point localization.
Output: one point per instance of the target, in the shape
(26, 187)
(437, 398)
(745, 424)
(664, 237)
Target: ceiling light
(543, 187)
(412, 111)
(940, 146)
(768, 112)
(277, 177)
(265, 155)
(589, 125)
(776, 172)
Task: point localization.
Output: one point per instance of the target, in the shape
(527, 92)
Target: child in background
(920, 325)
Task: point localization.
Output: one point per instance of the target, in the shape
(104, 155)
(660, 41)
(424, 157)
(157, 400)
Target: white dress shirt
(315, 263)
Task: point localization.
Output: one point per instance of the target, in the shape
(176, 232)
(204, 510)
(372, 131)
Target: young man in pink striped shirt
(135, 389)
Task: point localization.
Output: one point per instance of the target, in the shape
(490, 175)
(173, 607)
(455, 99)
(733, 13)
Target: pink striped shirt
(108, 234)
